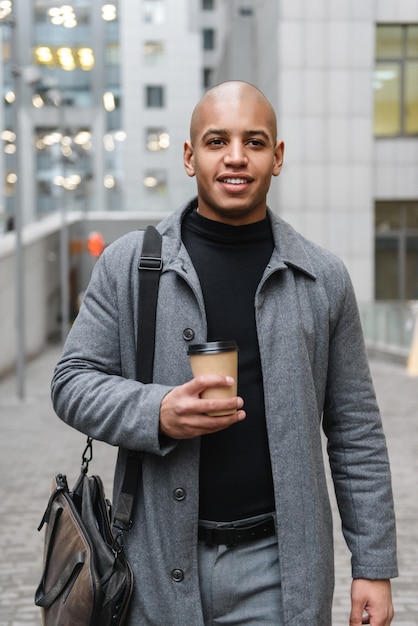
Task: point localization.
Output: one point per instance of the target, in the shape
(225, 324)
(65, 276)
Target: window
(157, 139)
(207, 77)
(395, 80)
(153, 51)
(208, 5)
(154, 11)
(396, 251)
(155, 182)
(208, 39)
(155, 96)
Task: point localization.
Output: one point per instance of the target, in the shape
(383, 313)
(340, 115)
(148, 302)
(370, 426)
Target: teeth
(235, 181)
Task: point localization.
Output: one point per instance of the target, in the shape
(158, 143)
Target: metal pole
(18, 219)
(64, 269)
(64, 239)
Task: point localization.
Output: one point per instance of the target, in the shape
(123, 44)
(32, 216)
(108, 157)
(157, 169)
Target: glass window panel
(155, 182)
(112, 54)
(411, 98)
(387, 217)
(387, 99)
(412, 215)
(412, 41)
(155, 96)
(412, 268)
(207, 77)
(208, 39)
(154, 11)
(389, 43)
(386, 269)
(157, 139)
(153, 51)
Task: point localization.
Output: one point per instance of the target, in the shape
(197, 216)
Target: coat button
(188, 334)
(179, 494)
(177, 575)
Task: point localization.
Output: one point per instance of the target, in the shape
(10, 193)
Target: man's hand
(183, 412)
(371, 602)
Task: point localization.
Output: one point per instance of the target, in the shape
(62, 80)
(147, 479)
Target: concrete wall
(41, 277)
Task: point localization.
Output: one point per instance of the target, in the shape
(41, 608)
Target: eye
(216, 142)
(256, 143)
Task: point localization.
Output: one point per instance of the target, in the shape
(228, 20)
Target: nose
(235, 155)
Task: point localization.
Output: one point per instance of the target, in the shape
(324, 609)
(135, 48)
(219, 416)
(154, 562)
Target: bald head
(233, 92)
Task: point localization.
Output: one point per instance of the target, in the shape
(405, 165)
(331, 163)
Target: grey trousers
(241, 585)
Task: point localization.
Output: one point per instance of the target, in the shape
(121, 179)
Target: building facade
(106, 92)
(343, 77)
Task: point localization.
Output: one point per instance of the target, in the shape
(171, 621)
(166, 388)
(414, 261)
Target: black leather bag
(86, 579)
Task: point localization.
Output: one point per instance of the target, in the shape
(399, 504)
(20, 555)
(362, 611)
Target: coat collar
(290, 247)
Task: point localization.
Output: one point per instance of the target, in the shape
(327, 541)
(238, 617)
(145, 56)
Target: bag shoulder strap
(150, 265)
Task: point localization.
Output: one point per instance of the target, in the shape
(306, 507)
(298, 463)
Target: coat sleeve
(93, 387)
(357, 447)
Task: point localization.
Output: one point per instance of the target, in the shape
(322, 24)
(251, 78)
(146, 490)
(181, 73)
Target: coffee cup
(216, 357)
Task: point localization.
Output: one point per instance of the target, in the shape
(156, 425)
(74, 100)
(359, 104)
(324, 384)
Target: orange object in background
(95, 244)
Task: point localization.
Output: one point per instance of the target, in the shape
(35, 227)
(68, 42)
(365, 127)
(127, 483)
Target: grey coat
(315, 372)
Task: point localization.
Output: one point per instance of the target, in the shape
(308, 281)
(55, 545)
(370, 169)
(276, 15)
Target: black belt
(231, 536)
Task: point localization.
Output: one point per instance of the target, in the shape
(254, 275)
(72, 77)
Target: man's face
(233, 153)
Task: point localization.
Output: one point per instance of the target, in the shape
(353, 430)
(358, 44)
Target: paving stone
(35, 445)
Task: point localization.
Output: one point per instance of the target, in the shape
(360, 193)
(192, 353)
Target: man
(232, 522)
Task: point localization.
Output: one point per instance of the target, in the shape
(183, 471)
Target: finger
(206, 381)
(206, 425)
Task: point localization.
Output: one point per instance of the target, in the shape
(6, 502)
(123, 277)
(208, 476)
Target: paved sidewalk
(35, 445)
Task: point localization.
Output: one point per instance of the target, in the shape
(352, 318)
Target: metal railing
(389, 326)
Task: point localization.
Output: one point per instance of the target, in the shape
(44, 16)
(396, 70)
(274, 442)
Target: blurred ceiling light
(150, 181)
(66, 150)
(72, 182)
(37, 101)
(158, 140)
(85, 58)
(10, 148)
(52, 138)
(66, 59)
(10, 97)
(109, 181)
(8, 135)
(44, 55)
(109, 101)
(63, 16)
(11, 178)
(384, 74)
(120, 135)
(164, 141)
(82, 137)
(109, 12)
(5, 8)
(109, 144)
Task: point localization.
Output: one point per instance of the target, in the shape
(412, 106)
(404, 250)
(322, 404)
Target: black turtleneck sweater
(235, 469)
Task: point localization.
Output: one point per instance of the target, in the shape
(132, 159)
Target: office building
(107, 91)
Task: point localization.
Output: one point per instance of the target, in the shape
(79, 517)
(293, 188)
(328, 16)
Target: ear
(188, 158)
(278, 158)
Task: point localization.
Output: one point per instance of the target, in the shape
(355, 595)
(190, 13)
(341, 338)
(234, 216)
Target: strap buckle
(152, 263)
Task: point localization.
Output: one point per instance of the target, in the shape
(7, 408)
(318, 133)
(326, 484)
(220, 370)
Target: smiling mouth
(234, 180)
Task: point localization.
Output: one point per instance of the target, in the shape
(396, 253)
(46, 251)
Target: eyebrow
(247, 133)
